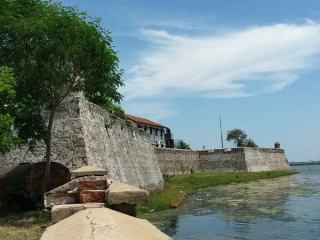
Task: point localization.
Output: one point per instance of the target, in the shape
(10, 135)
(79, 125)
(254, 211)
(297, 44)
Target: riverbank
(31, 225)
(176, 188)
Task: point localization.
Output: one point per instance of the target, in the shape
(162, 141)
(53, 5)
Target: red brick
(64, 195)
(92, 185)
(89, 196)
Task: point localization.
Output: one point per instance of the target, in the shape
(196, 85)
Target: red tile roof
(144, 121)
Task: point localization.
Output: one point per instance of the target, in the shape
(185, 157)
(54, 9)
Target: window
(151, 130)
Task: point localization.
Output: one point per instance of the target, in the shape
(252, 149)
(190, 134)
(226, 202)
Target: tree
(251, 143)
(55, 51)
(240, 138)
(7, 95)
(115, 109)
(180, 144)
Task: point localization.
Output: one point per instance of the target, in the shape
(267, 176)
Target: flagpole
(221, 132)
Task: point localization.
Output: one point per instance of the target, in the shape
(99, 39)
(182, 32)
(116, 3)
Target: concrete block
(119, 193)
(61, 212)
(103, 224)
(88, 171)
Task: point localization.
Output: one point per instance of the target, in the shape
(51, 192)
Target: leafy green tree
(251, 143)
(55, 51)
(240, 138)
(7, 95)
(115, 109)
(180, 144)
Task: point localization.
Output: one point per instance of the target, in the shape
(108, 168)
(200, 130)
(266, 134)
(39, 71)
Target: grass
(176, 187)
(23, 225)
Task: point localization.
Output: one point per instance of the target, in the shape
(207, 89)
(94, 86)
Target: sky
(255, 63)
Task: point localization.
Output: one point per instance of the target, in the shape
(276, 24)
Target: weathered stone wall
(221, 160)
(85, 134)
(265, 159)
(124, 151)
(177, 161)
(67, 141)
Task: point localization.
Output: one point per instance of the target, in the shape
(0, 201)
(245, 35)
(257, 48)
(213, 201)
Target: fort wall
(86, 134)
(177, 161)
(222, 160)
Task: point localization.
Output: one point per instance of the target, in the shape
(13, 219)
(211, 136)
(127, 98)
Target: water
(281, 208)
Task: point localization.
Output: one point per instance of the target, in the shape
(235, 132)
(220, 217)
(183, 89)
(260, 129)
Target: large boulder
(101, 224)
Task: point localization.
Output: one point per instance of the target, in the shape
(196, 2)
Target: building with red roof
(160, 135)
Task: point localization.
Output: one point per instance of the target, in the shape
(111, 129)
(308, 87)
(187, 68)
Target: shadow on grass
(14, 218)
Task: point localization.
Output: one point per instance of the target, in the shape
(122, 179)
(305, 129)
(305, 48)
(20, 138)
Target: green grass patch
(23, 225)
(176, 186)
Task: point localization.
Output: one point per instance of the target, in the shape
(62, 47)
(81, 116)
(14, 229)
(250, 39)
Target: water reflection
(239, 209)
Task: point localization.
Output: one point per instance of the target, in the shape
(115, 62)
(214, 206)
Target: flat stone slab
(119, 193)
(101, 224)
(88, 171)
(61, 212)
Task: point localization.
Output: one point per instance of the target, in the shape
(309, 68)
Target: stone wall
(265, 159)
(124, 151)
(177, 161)
(67, 141)
(221, 160)
(86, 134)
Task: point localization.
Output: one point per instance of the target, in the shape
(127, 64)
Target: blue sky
(254, 62)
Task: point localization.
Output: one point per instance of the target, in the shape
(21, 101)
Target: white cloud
(151, 110)
(233, 64)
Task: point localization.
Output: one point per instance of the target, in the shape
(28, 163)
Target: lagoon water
(282, 208)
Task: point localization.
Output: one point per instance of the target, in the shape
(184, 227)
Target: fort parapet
(177, 161)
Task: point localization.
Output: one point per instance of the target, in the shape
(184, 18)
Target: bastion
(86, 134)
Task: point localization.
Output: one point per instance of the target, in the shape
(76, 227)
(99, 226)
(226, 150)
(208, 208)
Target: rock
(93, 184)
(101, 224)
(87, 171)
(90, 196)
(119, 193)
(61, 212)
(80, 143)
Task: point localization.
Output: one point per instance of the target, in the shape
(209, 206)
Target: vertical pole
(221, 132)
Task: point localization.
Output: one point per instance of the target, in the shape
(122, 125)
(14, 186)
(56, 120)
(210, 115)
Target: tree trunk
(48, 153)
